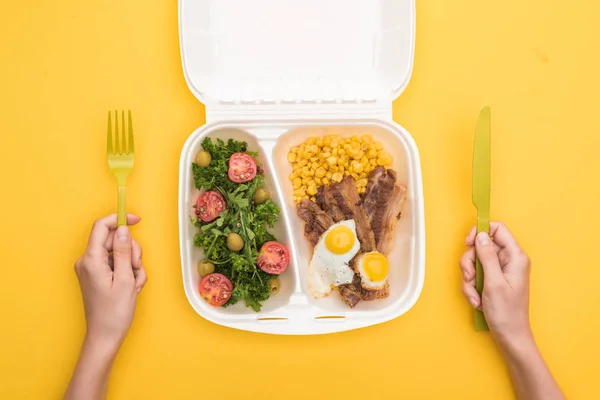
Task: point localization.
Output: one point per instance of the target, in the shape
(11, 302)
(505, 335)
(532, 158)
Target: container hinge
(294, 111)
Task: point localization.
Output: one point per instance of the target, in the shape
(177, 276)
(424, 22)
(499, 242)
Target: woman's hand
(505, 299)
(110, 283)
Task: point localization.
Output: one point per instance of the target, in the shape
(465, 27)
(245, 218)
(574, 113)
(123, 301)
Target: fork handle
(121, 206)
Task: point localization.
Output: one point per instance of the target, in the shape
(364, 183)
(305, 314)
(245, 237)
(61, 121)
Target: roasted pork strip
(382, 203)
(344, 199)
(317, 220)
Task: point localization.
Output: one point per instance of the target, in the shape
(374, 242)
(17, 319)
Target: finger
(471, 294)
(101, 231)
(122, 255)
(471, 237)
(502, 236)
(136, 254)
(140, 278)
(486, 251)
(467, 264)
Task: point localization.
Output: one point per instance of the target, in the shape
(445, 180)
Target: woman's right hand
(505, 298)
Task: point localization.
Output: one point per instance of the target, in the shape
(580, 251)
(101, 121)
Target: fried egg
(373, 268)
(329, 266)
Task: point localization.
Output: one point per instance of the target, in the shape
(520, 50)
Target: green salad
(233, 213)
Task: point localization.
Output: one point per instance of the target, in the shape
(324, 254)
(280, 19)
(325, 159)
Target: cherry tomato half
(242, 168)
(215, 289)
(209, 205)
(273, 258)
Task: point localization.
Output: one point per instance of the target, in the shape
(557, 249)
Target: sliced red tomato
(215, 289)
(273, 258)
(209, 205)
(242, 168)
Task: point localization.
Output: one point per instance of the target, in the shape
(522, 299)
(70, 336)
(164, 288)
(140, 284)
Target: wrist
(517, 345)
(100, 349)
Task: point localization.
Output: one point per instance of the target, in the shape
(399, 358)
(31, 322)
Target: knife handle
(480, 322)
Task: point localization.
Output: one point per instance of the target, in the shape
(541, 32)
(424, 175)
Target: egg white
(326, 269)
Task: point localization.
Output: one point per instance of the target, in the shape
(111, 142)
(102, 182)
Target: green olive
(235, 242)
(203, 158)
(261, 196)
(274, 286)
(205, 268)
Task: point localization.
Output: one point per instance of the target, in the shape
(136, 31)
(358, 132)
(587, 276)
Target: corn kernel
(325, 166)
(307, 197)
(334, 143)
(312, 190)
(362, 176)
(310, 140)
(320, 172)
(342, 160)
(305, 180)
(328, 175)
(295, 174)
(352, 152)
(341, 152)
(314, 159)
(334, 168)
(366, 139)
(299, 192)
(326, 149)
(325, 181)
(364, 160)
(354, 175)
(358, 167)
(331, 161)
(314, 149)
(327, 142)
(302, 163)
(313, 198)
(346, 173)
(297, 182)
(292, 157)
(341, 168)
(373, 162)
(318, 181)
(361, 182)
(378, 146)
(294, 149)
(337, 177)
(319, 142)
(334, 151)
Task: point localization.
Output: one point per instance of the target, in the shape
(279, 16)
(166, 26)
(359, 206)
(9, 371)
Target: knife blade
(481, 195)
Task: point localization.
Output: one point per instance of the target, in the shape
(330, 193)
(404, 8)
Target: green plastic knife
(481, 195)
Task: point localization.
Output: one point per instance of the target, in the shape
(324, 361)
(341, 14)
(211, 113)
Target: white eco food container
(273, 73)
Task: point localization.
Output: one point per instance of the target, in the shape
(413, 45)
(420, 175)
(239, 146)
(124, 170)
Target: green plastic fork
(120, 159)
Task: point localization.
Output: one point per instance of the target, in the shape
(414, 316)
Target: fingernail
(483, 238)
(473, 301)
(139, 289)
(123, 233)
(466, 274)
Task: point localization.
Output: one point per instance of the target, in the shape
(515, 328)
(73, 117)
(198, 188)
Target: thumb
(486, 252)
(122, 255)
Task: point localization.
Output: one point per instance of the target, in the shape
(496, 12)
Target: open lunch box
(274, 73)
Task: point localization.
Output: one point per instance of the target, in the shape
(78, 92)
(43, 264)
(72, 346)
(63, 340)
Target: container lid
(296, 51)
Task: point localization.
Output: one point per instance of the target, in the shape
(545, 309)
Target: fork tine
(130, 134)
(109, 139)
(118, 145)
(123, 134)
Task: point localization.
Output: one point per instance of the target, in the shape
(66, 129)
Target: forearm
(531, 377)
(90, 378)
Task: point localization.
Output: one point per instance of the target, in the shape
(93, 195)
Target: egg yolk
(340, 240)
(376, 266)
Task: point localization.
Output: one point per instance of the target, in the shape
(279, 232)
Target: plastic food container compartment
(273, 73)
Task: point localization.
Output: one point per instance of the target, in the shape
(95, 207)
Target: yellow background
(65, 62)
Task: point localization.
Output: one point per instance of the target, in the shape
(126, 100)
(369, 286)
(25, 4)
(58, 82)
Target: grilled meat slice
(342, 202)
(382, 203)
(328, 204)
(351, 294)
(317, 220)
